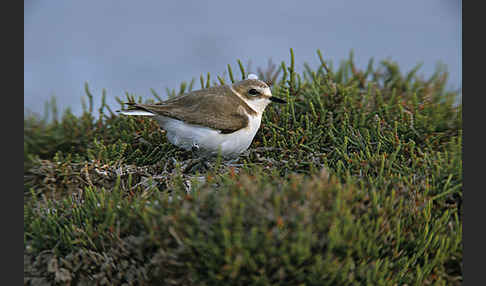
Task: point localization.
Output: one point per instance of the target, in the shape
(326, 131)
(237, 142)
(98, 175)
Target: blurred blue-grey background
(137, 45)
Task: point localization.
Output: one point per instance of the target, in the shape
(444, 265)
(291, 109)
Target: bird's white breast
(209, 140)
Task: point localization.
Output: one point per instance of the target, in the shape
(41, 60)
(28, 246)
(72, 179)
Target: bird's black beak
(277, 100)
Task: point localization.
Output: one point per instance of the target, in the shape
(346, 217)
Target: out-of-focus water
(137, 45)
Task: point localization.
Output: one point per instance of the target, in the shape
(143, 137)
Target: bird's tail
(133, 109)
(136, 112)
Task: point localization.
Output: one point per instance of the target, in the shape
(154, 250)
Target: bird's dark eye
(253, 91)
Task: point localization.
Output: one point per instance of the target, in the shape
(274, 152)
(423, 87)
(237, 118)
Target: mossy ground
(356, 181)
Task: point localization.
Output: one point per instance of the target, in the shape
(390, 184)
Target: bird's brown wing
(216, 108)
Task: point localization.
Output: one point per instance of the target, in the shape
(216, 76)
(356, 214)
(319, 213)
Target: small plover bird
(222, 119)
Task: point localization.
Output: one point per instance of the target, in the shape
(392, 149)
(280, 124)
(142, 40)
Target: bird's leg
(195, 149)
(231, 162)
(191, 165)
(197, 160)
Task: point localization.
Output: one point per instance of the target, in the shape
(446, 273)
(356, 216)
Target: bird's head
(256, 93)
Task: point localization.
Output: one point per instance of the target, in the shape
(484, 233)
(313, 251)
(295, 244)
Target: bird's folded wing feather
(205, 109)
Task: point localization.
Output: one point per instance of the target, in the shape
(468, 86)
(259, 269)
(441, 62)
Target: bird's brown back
(217, 107)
